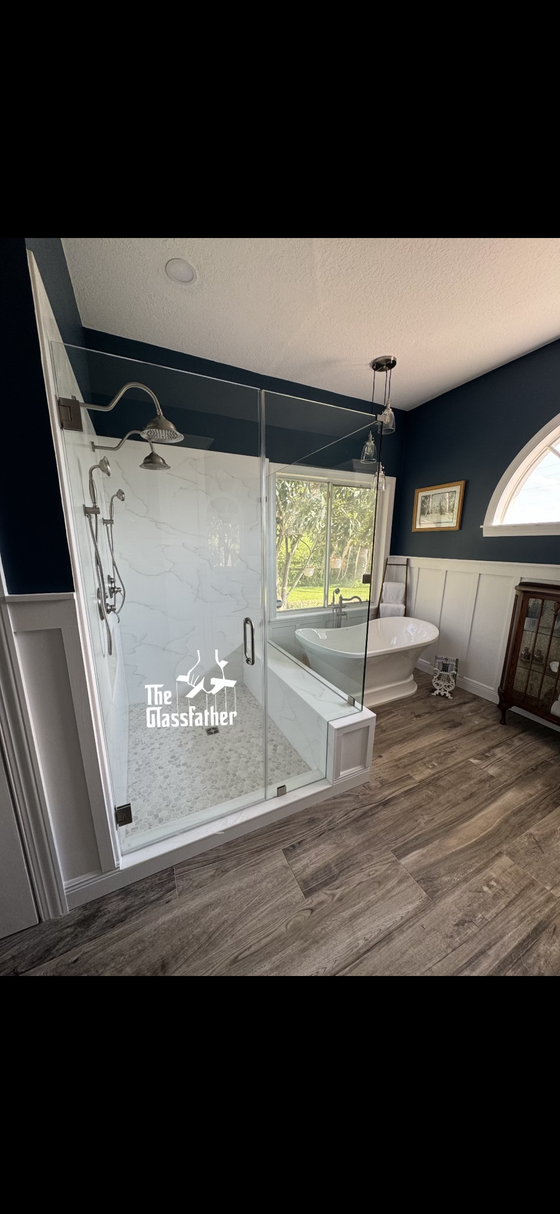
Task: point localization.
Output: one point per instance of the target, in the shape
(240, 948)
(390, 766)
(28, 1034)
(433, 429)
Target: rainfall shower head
(160, 430)
(154, 462)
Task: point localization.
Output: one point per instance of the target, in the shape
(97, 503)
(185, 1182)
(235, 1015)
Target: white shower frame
(349, 743)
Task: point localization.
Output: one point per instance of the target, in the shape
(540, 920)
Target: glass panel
(551, 684)
(542, 679)
(301, 522)
(538, 500)
(320, 494)
(538, 665)
(171, 578)
(172, 589)
(525, 659)
(351, 538)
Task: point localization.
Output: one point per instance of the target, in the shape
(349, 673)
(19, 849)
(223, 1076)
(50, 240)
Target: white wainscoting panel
(17, 905)
(351, 747)
(45, 628)
(471, 603)
(489, 630)
(427, 596)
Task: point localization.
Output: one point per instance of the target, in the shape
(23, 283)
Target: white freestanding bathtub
(394, 646)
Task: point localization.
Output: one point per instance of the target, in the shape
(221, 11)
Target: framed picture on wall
(438, 507)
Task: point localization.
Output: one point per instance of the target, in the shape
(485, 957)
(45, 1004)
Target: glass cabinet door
(536, 678)
(544, 674)
(525, 659)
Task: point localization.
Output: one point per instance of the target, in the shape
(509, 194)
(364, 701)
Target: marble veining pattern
(300, 702)
(188, 544)
(177, 772)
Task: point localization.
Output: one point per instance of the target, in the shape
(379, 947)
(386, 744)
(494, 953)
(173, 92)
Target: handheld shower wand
(114, 580)
(105, 467)
(92, 515)
(121, 497)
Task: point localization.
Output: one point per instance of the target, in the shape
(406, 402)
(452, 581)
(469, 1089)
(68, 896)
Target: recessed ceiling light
(180, 270)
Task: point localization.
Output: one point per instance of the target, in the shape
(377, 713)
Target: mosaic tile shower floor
(176, 772)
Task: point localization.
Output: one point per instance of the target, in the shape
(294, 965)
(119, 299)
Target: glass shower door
(169, 543)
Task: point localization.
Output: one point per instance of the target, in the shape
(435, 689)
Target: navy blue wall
(33, 542)
(472, 434)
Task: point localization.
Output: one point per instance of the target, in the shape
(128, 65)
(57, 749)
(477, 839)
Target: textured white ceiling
(318, 311)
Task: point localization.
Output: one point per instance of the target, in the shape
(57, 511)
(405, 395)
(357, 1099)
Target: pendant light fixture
(369, 453)
(385, 363)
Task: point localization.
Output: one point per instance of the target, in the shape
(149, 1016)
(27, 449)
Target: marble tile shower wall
(188, 546)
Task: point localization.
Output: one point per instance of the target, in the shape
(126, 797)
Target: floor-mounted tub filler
(394, 645)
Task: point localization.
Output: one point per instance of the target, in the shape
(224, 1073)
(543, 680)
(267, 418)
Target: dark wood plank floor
(446, 863)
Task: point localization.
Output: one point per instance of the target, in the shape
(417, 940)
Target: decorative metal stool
(445, 676)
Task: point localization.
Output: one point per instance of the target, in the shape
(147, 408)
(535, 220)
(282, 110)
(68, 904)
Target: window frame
(512, 483)
(382, 539)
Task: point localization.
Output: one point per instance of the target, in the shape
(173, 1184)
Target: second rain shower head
(154, 462)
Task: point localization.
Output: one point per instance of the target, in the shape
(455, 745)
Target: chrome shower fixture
(154, 462)
(92, 515)
(115, 584)
(158, 430)
(105, 467)
(120, 495)
(385, 362)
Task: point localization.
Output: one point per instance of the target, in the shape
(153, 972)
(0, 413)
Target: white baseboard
(488, 693)
(478, 689)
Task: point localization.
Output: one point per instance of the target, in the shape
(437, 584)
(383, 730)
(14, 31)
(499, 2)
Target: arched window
(527, 499)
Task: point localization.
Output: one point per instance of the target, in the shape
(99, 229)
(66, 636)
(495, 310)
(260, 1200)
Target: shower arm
(116, 399)
(104, 447)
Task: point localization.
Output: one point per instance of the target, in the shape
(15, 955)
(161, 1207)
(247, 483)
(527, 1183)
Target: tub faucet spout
(338, 612)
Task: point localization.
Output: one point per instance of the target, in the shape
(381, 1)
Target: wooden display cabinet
(531, 674)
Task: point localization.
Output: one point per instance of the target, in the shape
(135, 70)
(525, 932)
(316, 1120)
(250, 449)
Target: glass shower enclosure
(200, 562)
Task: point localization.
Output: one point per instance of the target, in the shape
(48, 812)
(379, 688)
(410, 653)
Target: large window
(324, 532)
(527, 499)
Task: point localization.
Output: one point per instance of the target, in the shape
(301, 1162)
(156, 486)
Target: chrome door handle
(250, 660)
